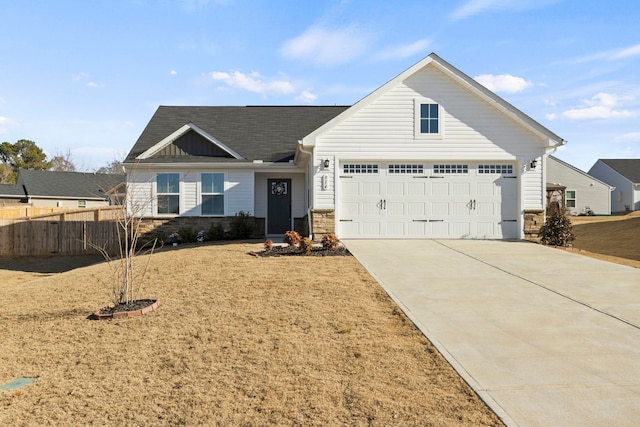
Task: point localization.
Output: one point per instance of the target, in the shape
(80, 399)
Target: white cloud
(475, 7)
(6, 123)
(505, 83)
(306, 97)
(630, 137)
(325, 46)
(84, 77)
(173, 72)
(601, 106)
(551, 116)
(405, 51)
(626, 52)
(253, 82)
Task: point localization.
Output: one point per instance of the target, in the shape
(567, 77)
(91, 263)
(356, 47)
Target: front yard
(237, 340)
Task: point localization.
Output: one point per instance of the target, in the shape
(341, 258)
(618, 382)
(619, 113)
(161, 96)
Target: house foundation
(533, 220)
(323, 221)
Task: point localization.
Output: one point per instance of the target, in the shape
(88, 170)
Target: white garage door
(461, 200)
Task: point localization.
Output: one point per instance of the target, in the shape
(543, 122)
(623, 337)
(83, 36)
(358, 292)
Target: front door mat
(20, 382)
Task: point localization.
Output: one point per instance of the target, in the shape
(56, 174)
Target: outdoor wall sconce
(533, 164)
(326, 163)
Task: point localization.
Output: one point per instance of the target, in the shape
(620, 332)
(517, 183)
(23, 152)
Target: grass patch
(238, 340)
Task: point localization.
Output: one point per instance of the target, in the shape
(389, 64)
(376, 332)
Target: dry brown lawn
(237, 340)
(612, 238)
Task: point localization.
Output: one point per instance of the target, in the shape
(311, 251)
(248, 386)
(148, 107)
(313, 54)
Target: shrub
(292, 238)
(557, 229)
(215, 232)
(330, 241)
(268, 245)
(243, 225)
(305, 245)
(187, 235)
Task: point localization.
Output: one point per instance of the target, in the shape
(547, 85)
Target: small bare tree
(127, 266)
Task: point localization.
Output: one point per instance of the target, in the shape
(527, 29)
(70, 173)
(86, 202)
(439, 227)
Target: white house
(624, 175)
(431, 153)
(582, 192)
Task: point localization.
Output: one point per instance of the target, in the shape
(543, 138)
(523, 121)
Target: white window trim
(417, 102)
(82, 204)
(574, 198)
(156, 194)
(200, 193)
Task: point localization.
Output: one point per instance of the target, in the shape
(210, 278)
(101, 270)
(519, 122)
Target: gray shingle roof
(8, 190)
(75, 185)
(629, 168)
(268, 133)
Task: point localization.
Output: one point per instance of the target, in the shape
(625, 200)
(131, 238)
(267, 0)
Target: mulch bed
(295, 251)
(130, 309)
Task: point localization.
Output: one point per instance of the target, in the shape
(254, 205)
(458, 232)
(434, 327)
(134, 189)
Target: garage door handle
(436, 220)
(420, 220)
(509, 220)
(346, 220)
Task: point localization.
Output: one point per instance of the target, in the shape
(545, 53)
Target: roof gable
(189, 140)
(457, 75)
(267, 133)
(575, 169)
(628, 168)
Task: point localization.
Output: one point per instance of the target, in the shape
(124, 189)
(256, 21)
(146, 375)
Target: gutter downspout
(311, 195)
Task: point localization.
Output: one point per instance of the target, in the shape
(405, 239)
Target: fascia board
(503, 105)
(177, 134)
(271, 166)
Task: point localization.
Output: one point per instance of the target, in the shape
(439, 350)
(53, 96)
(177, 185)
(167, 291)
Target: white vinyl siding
(473, 130)
(239, 192)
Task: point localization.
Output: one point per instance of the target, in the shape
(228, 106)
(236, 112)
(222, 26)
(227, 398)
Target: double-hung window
(168, 193)
(212, 193)
(570, 198)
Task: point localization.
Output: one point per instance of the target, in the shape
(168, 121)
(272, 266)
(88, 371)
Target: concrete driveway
(545, 337)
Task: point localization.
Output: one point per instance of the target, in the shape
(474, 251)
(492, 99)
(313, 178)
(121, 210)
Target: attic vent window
(82, 203)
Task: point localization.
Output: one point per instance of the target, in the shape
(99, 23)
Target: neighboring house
(69, 189)
(624, 175)
(581, 192)
(431, 153)
(11, 194)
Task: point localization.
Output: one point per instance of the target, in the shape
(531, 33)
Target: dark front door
(278, 206)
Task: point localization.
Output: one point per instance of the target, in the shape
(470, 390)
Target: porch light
(326, 163)
(533, 164)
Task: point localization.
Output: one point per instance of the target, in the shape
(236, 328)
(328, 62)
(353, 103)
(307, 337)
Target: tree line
(25, 154)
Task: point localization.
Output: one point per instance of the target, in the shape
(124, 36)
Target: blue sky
(86, 76)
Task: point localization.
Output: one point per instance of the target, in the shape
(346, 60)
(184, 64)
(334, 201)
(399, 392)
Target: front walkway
(546, 337)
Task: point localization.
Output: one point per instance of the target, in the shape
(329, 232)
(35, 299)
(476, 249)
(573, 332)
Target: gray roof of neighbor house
(629, 168)
(74, 185)
(11, 190)
(267, 133)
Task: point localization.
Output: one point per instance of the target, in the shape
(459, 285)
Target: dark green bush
(557, 229)
(187, 235)
(243, 225)
(215, 232)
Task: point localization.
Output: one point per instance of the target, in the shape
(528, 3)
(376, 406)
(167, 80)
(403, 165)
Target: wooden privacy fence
(19, 211)
(46, 238)
(70, 232)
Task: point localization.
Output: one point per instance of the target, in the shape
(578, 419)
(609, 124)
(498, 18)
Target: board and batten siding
(472, 129)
